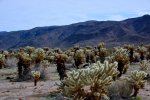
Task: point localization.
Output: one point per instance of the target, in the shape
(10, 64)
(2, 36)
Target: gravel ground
(27, 90)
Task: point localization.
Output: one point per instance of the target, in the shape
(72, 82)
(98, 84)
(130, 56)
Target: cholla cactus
(49, 52)
(19, 54)
(109, 59)
(29, 49)
(26, 58)
(137, 77)
(76, 47)
(90, 56)
(36, 73)
(131, 51)
(36, 76)
(136, 56)
(137, 80)
(46, 49)
(79, 57)
(6, 53)
(144, 65)
(45, 63)
(121, 56)
(70, 55)
(2, 60)
(126, 86)
(60, 62)
(101, 45)
(102, 54)
(102, 51)
(58, 50)
(90, 83)
(142, 50)
(50, 56)
(61, 56)
(38, 55)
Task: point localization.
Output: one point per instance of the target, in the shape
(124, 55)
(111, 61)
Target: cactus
(130, 48)
(142, 50)
(26, 59)
(102, 51)
(38, 55)
(23, 63)
(36, 76)
(101, 45)
(121, 56)
(49, 55)
(102, 54)
(45, 63)
(144, 65)
(137, 81)
(60, 62)
(79, 57)
(2, 60)
(90, 56)
(90, 83)
(29, 50)
(123, 88)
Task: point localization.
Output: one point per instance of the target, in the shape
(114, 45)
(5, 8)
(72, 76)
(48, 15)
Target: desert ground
(44, 89)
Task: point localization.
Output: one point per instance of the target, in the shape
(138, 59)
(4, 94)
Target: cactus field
(76, 73)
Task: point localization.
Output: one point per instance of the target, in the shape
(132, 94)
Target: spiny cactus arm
(101, 44)
(35, 73)
(2, 56)
(72, 83)
(121, 54)
(142, 49)
(103, 84)
(45, 63)
(86, 77)
(144, 65)
(138, 75)
(29, 49)
(38, 55)
(94, 77)
(26, 58)
(137, 80)
(2, 60)
(111, 68)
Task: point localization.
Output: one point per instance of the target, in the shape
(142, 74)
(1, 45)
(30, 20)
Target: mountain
(133, 30)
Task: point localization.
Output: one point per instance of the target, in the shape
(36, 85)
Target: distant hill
(133, 30)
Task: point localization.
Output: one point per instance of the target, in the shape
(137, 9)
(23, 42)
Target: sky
(26, 14)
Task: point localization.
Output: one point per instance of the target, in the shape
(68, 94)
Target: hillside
(133, 30)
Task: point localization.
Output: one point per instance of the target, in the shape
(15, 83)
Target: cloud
(116, 17)
(143, 13)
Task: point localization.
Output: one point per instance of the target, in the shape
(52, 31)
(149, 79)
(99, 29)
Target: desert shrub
(2, 60)
(123, 88)
(142, 51)
(91, 83)
(60, 60)
(121, 56)
(79, 57)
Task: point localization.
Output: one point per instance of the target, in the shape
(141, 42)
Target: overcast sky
(27, 14)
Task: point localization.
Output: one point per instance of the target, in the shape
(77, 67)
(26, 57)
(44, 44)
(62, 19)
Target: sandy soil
(27, 90)
(15, 90)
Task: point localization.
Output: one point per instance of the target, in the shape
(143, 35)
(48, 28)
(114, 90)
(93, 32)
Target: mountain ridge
(132, 30)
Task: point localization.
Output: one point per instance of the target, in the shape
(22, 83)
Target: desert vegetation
(82, 73)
